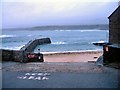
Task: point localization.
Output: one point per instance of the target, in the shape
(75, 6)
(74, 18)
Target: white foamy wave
(59, 30)
(66, 30)
(58, 43)
(91, 30)
(80, 51)
(101, 41)
(13, 48)
(6, 36)
(29, 35)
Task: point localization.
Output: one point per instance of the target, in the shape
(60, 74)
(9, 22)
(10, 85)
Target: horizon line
(50, 26)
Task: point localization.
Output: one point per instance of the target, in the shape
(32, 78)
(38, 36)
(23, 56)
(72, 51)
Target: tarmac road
(59, 80)
(58, 75)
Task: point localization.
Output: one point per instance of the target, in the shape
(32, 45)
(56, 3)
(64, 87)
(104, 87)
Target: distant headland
(65, 27)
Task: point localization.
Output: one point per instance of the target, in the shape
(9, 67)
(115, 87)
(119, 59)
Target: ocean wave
(13, 48)
(101, 41)
(64, 30)
(94, 30)
(29, 35)
(57, 43)
(91, 30)
(80, 51)
(67, 30)
(7, 36)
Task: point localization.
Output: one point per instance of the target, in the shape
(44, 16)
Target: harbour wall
(21, 55)
(30, 46)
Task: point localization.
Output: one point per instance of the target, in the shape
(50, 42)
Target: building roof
(118, 9)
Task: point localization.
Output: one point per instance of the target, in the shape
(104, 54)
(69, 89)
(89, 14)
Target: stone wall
(114, 27)
(111, 53)
(21, 55)
(6, 55)
(30, 46)
(11, 55)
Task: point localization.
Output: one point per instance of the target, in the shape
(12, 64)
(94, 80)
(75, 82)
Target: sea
(61, 40)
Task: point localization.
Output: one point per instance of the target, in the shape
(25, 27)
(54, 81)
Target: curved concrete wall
(30, 46)
(20, 55)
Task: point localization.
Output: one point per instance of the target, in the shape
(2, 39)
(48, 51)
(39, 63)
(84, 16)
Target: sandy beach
(83, 56)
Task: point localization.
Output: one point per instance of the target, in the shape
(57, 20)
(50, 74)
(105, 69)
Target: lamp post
(38, 50)
(39, 54)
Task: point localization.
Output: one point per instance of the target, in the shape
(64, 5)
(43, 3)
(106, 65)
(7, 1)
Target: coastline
(72, 52)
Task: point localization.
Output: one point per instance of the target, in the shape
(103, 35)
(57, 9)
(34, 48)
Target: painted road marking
(34, 76)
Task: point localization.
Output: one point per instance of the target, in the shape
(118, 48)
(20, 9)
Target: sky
(30, 13)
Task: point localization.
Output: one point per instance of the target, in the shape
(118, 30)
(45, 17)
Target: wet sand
(73, 56)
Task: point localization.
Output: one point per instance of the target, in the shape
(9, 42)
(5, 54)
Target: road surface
(50, 75)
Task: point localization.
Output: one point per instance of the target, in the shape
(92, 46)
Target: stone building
(114, 27)
(112, 51)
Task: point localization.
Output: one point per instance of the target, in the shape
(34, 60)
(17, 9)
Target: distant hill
(72, 27)
(64, 27)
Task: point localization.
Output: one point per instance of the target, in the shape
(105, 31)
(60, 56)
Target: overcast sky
(29, 13)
